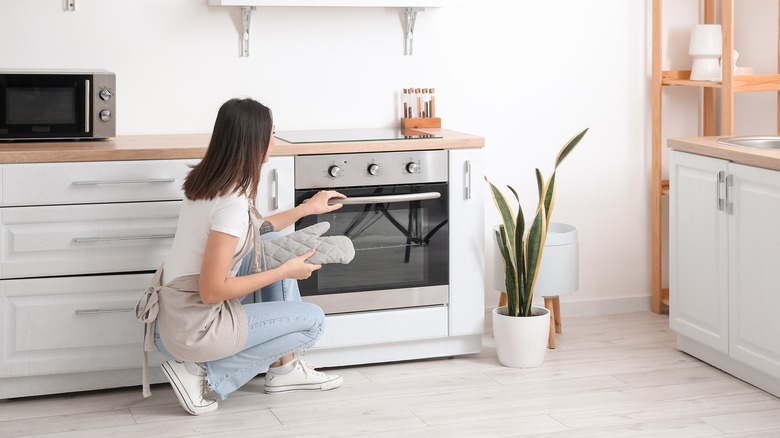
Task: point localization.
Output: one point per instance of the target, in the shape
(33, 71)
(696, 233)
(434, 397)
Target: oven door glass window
(400, 244)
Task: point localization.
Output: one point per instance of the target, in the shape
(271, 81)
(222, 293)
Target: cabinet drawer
(85, 239)
(73, 324)
(93, 182)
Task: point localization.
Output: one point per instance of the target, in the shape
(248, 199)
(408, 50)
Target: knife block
(426, 122)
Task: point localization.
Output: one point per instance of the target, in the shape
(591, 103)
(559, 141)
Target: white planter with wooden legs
(558, 273)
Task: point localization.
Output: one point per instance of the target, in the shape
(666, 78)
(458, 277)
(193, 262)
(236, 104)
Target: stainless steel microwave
(57, 105)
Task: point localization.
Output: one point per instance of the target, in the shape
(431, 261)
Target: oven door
(41, 106)
(401, 239)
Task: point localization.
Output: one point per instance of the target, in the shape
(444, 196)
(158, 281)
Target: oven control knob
(105, 115)
(105, 94)
(335, 171)
(373, 169)
(413, 167)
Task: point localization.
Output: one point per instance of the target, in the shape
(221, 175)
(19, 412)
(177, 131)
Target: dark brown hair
(238, 146)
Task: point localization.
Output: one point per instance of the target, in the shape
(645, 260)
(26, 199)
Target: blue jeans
(279, 325)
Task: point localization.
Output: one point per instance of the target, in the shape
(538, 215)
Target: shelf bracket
(69, 5)
(246, 18)
(410, 19)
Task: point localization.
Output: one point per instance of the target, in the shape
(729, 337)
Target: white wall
(527, 75)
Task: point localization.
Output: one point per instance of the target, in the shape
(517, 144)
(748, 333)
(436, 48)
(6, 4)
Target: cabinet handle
(124, 181)
(729, 207)
(275, 183)
(111, 239)
(100, 311)
(721, 177)
(468, 180)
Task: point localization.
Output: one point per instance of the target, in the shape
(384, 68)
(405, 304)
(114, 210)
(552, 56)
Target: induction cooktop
(348, 135)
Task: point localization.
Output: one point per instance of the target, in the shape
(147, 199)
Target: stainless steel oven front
(396, 214)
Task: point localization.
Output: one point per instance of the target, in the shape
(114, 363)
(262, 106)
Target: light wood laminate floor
(610, 376)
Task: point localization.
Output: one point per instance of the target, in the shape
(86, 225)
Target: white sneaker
(189, 384)
(301, 378)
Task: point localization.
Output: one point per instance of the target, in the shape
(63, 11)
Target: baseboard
(604, 306)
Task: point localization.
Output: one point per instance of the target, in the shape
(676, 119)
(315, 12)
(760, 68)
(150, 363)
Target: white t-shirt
(228, 214)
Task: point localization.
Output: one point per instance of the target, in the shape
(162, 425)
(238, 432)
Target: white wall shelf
(411, 8)
(333, 3)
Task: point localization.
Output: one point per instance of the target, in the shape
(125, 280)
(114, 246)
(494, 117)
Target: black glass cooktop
(347, 135)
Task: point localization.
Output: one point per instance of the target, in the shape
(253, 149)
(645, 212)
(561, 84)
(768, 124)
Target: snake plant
(521, 249)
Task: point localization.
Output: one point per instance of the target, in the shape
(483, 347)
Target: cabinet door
(698, 250)
(85, 239)
(92, 182)
(754, 275)
(277, 187)
(70, 324)
(467, 242)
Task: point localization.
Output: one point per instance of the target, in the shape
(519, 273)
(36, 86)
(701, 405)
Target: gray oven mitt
(270, 254)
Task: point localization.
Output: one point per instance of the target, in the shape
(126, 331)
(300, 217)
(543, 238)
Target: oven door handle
(384, 199)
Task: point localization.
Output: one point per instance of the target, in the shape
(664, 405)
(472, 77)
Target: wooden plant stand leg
(557, 306)
(549, 305)
(502, 299)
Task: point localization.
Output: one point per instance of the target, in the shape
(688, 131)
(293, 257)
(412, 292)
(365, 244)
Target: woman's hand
(318, 203)
(297, 267)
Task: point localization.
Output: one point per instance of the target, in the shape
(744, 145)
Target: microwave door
(45, 106)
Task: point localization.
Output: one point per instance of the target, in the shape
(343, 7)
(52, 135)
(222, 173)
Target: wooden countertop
(186, 146)
(766, 158)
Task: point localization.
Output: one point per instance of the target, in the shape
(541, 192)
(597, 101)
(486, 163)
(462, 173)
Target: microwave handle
(87, 102)
(383, 199)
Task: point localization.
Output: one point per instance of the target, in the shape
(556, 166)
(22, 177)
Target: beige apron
(191, 330)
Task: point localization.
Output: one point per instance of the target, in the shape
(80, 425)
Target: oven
(397, 216)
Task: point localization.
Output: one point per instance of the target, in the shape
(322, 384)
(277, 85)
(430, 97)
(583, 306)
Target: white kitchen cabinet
(467, 260)
(276, 191)
(70, 324)
(724, 254)
(698, 250)
(92, 182)
(80, 242)
(754, 277)
(85, 239)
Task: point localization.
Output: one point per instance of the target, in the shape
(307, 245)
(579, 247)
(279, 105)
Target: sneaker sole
(178, 389)
(324, 386)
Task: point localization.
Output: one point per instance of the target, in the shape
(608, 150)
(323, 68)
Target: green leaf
(566, 150)
(520, 258)
(507, 214)
(534, 245)
(549, 198)
(514, 192)
(510, 273)
(539, 182)
(521, 249)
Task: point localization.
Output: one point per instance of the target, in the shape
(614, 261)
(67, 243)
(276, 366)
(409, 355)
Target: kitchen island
(83, 225)
(724, 253)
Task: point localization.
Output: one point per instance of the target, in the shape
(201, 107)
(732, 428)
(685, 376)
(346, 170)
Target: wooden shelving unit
(729, 86)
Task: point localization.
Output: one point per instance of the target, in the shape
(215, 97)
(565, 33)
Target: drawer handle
(124, 181)
(110, 239)
(100, 311)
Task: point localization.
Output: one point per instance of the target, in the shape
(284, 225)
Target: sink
(753, 141)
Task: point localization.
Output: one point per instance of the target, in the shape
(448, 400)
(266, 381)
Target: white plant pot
(521, 341)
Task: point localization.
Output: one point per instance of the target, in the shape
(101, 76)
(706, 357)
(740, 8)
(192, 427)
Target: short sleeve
(231, 216)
